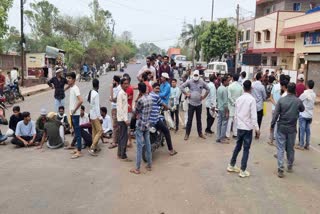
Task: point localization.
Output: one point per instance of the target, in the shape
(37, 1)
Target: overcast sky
(154, 21)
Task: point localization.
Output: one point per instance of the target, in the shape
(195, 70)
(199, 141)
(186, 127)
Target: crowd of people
(236, 102)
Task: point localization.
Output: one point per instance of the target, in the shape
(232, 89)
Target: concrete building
(305, 31)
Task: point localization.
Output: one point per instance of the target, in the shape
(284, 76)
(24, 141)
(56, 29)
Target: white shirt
(144, 69)
(94, 105)
(115, 94)
(122, 106)
(246, 112)
(106, 124)
(13, 75)
(211, 100)
(84, 119)
(74, 93)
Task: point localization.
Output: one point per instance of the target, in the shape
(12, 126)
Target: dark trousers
(210, 120)
(87, 137)
(244, 139)
(175, 116)
(191, 110)
(123, 140)
(19, 143)
(164, 129)
(260, 116)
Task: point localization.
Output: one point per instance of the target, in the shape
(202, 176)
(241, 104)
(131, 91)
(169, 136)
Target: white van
(216, 68)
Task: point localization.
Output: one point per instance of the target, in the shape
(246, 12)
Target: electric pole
(212, 9)
(237, 40)
(22, 41)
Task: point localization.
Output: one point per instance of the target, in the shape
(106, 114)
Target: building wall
(247, 25)
(263, 23)
(302, 20)
(305, 4)
(282, 41)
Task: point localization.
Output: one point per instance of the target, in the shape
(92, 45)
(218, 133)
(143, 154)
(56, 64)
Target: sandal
(149, 168)
(135, 171)
(3, 143)
(73, 152)
(75, 156)
(173, 153)
(112, 146)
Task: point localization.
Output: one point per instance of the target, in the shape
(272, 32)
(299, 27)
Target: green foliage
(74, 52)
(5, 5)
(218, 39)
(11, 42)
(146, 49)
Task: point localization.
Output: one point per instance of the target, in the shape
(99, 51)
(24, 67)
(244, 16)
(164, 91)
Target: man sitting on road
(54, 132)
(41, 121)
(15, 118)
(106, 123)
(26, 134)
(63, 118)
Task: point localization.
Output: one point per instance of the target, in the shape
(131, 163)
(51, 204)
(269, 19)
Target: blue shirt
(164, 94)
(26, 130)
(155, 112)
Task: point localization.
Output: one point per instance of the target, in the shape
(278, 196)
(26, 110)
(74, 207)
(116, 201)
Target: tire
(11, 98)
(144, 152)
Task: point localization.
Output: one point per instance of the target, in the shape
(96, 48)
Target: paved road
(194, 181)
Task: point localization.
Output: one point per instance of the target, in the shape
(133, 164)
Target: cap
(59, 70)
(51, 115)
(43, 111)
(196, 72)
(165, 75)
(300, 77)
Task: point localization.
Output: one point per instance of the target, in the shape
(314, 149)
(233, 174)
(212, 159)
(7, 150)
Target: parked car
(216, 68)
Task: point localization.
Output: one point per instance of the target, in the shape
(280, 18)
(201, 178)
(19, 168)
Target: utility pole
(212, 9)
(237, 39)
(22, 41)
(113, 24)
(194, 45)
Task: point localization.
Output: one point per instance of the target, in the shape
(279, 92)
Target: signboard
(312, 39)
(35, 63)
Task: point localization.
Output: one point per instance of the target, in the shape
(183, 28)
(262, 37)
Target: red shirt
(164, 69)
(2, 81)
(300, 89)
(149, 87)
(129, 92)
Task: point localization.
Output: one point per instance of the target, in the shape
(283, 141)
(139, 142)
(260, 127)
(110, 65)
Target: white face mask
(196, 78)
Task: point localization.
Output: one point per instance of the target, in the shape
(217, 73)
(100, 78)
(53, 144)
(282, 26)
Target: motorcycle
(85, 76)
(156, 141)
(12, 92)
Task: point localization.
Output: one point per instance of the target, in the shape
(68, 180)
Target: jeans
(191, 110)
(259, 117)
(96, 132)
(57, 104)
(143, 139)
(77, 131)
(160, 125)
(221, 126)
(285, 142)
(210, 120)
(17, 142)
(304, 128)
(175, 116)
(123, 140)
(273, 134)
(244, 139)
(232, 121)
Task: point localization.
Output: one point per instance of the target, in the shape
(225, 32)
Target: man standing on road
(196, 87)
(164, 67)
(246, 112)
(286, 116)
(259, 93)
(211, 103)
(165, 88)
(300, 85)
(115, 88)
(147, 67)
(157, 119)
(14, 74)
(122, 118)
(223, 112)
(94, 101)
(58, 82)
(74, 106)
(234, 92)
(175, 95)
(308, 98)
(143, 111)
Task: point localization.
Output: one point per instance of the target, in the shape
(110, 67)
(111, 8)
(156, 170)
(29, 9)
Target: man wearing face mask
(196, 87)
(147, 68)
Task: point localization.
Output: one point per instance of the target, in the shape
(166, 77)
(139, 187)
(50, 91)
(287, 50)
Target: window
(264, 60)
(267, 35)
(258, 37)
(296, 6)
(274, 60)
(241, 36)
(291, 38)
(248, 35)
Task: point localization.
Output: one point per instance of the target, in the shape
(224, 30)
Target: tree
(218, 39)
(146, 49)
(5, 5)
(11, 42)
(41, 18)
(191, 36)
(126, 36)
(74, 52)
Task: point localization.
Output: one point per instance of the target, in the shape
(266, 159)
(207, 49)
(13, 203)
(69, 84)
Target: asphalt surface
(193, 181)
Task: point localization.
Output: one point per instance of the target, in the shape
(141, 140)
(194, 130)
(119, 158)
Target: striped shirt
(156, 104)
(144, 108)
